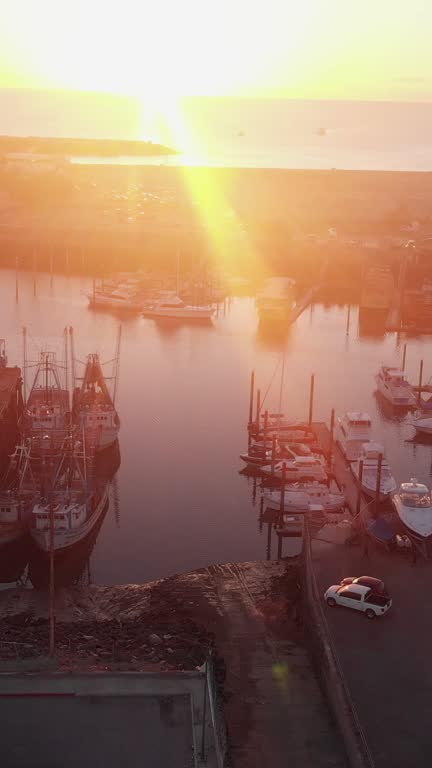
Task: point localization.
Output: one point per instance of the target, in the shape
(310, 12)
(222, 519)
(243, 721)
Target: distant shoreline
(79, 147)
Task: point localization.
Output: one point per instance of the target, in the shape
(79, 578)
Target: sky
(326, 49)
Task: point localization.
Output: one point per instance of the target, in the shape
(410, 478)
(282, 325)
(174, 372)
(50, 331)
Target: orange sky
(377, 49)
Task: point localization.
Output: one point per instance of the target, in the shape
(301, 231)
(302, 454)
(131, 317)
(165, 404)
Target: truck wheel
(331, 602)
(370, 614)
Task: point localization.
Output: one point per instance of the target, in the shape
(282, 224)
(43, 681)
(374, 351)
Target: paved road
(96, 732)
(387, 662)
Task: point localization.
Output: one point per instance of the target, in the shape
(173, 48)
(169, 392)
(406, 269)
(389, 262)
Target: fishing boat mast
(117, 363)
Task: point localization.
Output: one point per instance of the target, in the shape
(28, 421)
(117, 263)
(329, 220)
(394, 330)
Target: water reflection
(388, 411)
(371, 323)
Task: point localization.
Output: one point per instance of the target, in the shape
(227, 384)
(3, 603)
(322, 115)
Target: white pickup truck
(359, 598)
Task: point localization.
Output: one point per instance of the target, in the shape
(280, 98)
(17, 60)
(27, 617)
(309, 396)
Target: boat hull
(416, 521)
(186, 313)
(402, 400)
(9, 533)
(64, 539)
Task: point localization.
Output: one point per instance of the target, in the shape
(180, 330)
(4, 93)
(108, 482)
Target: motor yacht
(171, 306)
(302, 496)
(352, 430)
(393, 385)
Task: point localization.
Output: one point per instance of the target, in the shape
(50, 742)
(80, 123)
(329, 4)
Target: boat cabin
(415, 494)
(66, 516)
(10, 511)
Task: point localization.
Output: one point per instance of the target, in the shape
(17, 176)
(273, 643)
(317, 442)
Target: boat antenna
(24, 362)
(72, 353)
(66, 361)
(281, 386)
(117, 362)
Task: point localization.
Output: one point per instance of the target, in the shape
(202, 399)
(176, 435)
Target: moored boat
(353, 429)
(422, 424)
(302, 496)
(73, 505)
(413, 504)
(93, 409)
(369, 456)
(171, 306)
(302, 468)
(17, 495)
(46, 418)
(118, 297)
(393, 385)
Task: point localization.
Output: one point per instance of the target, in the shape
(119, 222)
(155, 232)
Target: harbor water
(178, 500)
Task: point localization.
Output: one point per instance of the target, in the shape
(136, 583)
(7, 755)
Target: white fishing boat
(352, 430)
(369, 455)
(17, 495)
(302, 468)
(46, 418)
(413, 504)
(72, 507)
(170, 306)
(275, 300)
(301, 497)
(393, 385)
(93, 408)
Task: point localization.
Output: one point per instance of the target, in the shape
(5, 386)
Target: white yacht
(301, 468)
(275, 301)
(171, 306)
(413, 504)
(369, 455)
(352, 430)
(393, 385)
(301, 497)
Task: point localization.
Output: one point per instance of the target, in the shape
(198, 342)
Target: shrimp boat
(304, 497)
(369, 455)
(46, 417)
(73, 506)
(93, 409)
(17, 495)
(393, 385)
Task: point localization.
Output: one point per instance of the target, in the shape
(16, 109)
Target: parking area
(386, 661)
(98, 721)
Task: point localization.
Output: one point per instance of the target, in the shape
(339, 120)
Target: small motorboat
(301, 468)
(413, 504)
(369, 455)
(393, 385)
(302, 496)
(422, 424)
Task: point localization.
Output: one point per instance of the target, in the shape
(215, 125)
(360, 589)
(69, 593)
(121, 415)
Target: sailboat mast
(117, 363)
(66, 356)
(281, 385)
(24, 363)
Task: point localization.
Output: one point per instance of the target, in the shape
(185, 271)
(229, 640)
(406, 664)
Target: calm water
(178, 501)
(247, 132)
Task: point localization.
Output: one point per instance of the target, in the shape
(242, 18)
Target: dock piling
(251, 396)
(420, 380)
(330, 453)
(378, 483)
(273, 454)
(265, 428)
(258, 408)
(359, 490)
(16, 279)
(269, 535)
(404, 356)
(34, 271)
(348, 320)
(311, 398)
(282, 496)
(279, 550)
